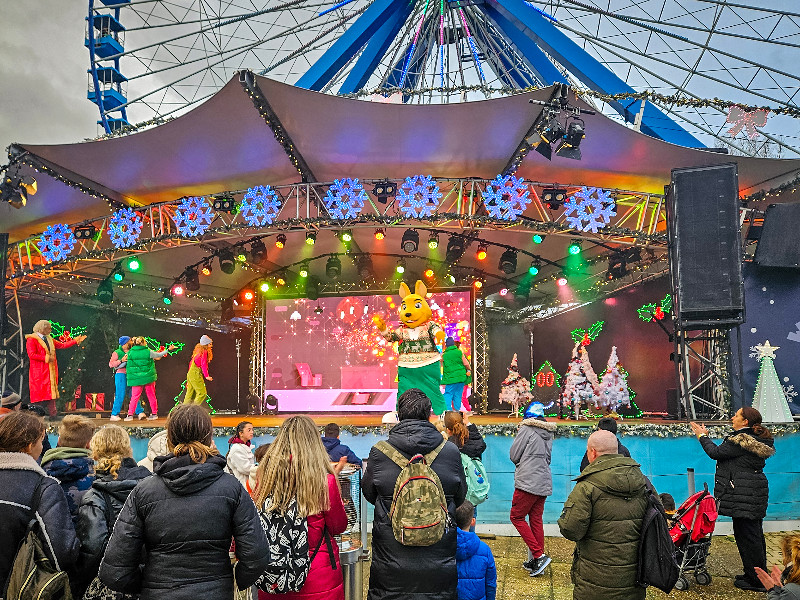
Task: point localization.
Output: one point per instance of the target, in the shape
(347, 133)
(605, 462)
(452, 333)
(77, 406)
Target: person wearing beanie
(455, 370)
(198, 372)
(10, 402)
(118, 363)
(606, 424)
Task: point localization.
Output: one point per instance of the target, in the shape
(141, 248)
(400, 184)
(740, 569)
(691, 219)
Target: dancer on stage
(43, 374)
(419, 361)
(119, 362)
(142, 375)
(198, 372)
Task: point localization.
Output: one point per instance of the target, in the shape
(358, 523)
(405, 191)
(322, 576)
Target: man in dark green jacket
(604, 514)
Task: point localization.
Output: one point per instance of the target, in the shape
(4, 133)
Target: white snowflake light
(57, 242)
(193, 216)
(260, 206)
(124, 228)
(589, 209)
(418, 196)
(345, 198)
(506, 197)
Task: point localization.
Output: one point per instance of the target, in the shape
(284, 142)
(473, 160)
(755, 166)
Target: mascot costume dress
(418, 363)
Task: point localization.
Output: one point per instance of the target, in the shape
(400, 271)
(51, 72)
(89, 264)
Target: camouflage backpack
(419, 508)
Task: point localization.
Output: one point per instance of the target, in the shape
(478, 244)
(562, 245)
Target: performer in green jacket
(455, 371)
(142, 375)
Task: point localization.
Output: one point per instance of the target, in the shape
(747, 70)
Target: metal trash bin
(351, 541)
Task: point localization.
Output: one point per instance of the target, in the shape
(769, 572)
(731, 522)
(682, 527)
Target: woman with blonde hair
(198, 372)
(116, 476)
(784, 585)
(182, 520)
(297, 471)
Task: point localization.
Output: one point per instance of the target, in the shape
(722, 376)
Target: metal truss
(639, 221)
(258, 353)
(12, 366)
(480, 358)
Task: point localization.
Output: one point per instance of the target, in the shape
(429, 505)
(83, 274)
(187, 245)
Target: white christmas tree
(614, 390)
(770, 398)
(580, 384)
(515, 389)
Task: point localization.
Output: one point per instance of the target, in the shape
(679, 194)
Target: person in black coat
(116, 475)
(418, 572)
(741, 488)
(21, 480)
(608, 424)
(183, 519)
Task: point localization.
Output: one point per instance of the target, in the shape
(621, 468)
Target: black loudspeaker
(705, 245)
(779, 244)
(673, 405)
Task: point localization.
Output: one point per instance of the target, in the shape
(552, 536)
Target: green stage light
(118, 274)
(264, 287)
(134, 264)
(574, 247)
(400, 268)
(347, 236)
(538, 238)
(533, 270)
(304, 271)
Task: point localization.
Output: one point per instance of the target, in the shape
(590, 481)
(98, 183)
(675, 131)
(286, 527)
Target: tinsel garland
(582, 430)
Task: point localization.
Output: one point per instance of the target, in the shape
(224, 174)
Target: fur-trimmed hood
(761, 447)
(535, 422)
(19, 461)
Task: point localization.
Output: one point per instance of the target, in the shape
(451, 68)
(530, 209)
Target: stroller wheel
(682, 584)
(702, 578)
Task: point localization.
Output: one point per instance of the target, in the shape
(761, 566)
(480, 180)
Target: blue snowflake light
(506, 197)
(589, 209)
(124, 228)
(260, 206)
(57, 242)
(418, 196)
(345, 198)
(193, 216)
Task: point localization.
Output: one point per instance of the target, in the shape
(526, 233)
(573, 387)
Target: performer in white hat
(198, 372)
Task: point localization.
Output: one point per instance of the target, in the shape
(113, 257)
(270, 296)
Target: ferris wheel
(154, 59)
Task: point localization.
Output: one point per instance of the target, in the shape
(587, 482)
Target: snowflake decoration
(589, 209)
(506, 197)
(345, 198)
(193, 216)
(57, 242)
(418, 197)
(789, 393)
(753, 352)
(260, 206)
(124, 228)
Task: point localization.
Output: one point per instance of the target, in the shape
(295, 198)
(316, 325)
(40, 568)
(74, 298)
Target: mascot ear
(404, 291)
(420, 289)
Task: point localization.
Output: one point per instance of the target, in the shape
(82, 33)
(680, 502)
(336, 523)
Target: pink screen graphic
(326, 355)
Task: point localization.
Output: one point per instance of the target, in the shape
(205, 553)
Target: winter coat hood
(61, 453)
(467, 544)
(128, 476)
(68, 464)
(747, 439)
(182, 476)
(330, 443)
(157, 446)
(539, 424)
(621, 475)
(237, 440)
(415, 437)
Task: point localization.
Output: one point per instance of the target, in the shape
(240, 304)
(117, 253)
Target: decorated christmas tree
(515, 389)
(614, 391)
(580, 384)
(770, 398)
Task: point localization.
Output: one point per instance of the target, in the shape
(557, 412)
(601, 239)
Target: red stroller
(691, 528)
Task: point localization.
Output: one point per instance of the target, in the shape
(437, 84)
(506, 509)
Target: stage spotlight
(554, 197)
(227, 263)
(504, 291)
(319, 310)
(533, 270)
(570, 147)
(280, 241)
(452, 278)
(118, 274)
(258, 251)
(311, 237)
(401, 266)
(167, 298)
(280, 281)
(264, 287)
(206, 270)
(433, 240)
(304, 270)
(380, 234)
(178, 290)
(333, 268)
(617, 266)
(16, 188)
(483, 252)
(312, 288)
(133, 264)
(429, 273)
(248, 295)
(346, 236)
(561, 281)
(84, 232)
(478, 284)
(574, 247)
(223, 204)
(364, 266)
(242, 255)
(455, 248)
(410, 241)
(508, 262)
(553, 131)
(192, 279)
(383, 190)
(538, 238)
(105, 292)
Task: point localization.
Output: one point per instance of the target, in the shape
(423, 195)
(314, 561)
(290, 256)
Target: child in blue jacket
(477, 575)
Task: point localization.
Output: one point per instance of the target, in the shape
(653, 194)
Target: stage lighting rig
(456, 246)
(192, 279)
(84, 232)
(533, 270)
(178, 289)
(380, 234)
(105, 292)
(258, 250)
(167, 296)
(133, 264)
(223, 204)
(242, 255)
(553, 197)
(227, 262)
(410, 242)
(118, 274)
(15, 188)
(364, 266)
(333, 267)
(433, 240)
(575, 247)
(550, 129)
(483, 251)
(206, 269)
(538, 238)
(384, 190)
(508, 262)
(311, 237)
(263, 287)
(346, 236)
(303, 270)
(401, 266)
(553, 131)
(570, 146)
(429, 273)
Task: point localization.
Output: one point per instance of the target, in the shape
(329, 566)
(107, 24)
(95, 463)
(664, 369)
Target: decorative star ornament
(765, 350)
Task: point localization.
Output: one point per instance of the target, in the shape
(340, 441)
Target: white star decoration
(765, 350)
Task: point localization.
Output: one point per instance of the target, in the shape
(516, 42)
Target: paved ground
(514, 583)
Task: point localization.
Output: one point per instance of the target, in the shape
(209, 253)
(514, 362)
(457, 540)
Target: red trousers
(531, 506)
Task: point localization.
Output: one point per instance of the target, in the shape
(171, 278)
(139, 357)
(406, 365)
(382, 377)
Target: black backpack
(656, 565)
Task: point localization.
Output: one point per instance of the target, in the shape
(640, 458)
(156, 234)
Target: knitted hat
(205, 340)
(124, 340)
(10, 399)
(449, 342)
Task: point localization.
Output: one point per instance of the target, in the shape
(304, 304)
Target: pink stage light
(562, 281)
(504, 291)
(177, 290)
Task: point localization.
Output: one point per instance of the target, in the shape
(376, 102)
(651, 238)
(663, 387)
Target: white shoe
(115, 418)
(142, 416)
(152, 417)
(129, 418)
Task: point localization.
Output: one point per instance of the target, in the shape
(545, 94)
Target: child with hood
(157, 446)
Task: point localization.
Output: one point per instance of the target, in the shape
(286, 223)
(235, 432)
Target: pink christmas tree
(515, 389)
(614, 391)
(580, 383)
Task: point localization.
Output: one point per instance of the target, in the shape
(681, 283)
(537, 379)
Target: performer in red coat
(43, 374)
